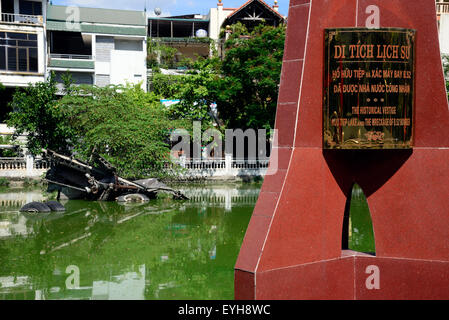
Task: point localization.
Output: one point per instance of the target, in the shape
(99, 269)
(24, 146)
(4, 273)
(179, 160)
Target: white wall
(213, 22)
(444, 33)
(120, 60)
(217, 17)
(128, 62)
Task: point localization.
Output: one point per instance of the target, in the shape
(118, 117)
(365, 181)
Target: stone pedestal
(293, 245)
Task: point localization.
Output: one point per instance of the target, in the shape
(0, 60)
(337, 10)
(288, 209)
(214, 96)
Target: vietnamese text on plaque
(368, 89)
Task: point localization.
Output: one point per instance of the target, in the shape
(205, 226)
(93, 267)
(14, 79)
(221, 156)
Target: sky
(169, 7)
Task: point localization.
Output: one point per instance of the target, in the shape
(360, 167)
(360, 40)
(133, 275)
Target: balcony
(70, 50)
(21, 19)
(71, 61)
(442, 8)
(184, 40)
(70, 56)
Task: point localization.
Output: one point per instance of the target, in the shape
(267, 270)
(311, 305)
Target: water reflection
(160, 250)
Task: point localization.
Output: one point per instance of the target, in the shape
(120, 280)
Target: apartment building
(97, 46)
(190, 33)
(22, 47)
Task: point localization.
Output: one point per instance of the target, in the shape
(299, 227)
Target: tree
(193, 90)
(127, 126)
(237, 29)
(244, 85)
(160, 55)
(166, 86)
(36, 113)
(446, 66)
(247, 92)
(6, 140)
(446, 72)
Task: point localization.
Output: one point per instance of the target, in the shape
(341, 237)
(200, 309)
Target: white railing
(23, 167)
(205, 164)
(41, 165)
(442, 8)
(250, 165)
(70, 56)
(13, 164)
(222, 168)
(21, 19)
(190, 168)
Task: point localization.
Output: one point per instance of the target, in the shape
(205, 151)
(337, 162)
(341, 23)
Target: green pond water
(161, 250)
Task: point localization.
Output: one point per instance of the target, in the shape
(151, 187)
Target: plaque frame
(388, 134)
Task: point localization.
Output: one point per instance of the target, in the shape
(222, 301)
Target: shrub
(4, 182)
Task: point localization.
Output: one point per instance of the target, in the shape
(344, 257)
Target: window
(18, 52)
(30, 8)
(2, 58)
(7, 6)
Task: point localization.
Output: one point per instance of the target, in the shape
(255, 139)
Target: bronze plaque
(368, 88)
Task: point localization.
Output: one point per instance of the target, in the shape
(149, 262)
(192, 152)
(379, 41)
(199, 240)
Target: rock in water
(55, 206)
(135, 197)
(35, 207)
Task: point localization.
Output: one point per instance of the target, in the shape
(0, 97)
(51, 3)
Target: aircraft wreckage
(79, 180)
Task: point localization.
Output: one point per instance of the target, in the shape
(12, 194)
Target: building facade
(22, 47)
(194, 34)
(103, 46)
(97, 46)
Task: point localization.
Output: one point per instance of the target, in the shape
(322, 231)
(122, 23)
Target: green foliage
(35, 112)
(447, 88)
(446, 66)
(244, 85)
(237, 29)
(4, 182)
(193, 90)
(152, 56)
(7, 153)
(446, 72)
(166, 86)
(247, 93)
(28, 182)
(160, 55)
(67, 82)
(127, 126)
(163, 56)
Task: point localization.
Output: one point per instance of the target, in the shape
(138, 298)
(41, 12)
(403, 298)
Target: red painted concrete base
(346, 278)
(292, 248)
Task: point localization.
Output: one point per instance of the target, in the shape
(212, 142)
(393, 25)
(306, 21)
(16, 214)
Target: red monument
(293, 245)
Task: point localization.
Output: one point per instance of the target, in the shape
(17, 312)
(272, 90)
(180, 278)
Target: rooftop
(98, 15)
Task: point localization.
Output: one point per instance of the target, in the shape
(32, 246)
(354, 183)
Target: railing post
(29, 164)
(228, 163)
(182, 161)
